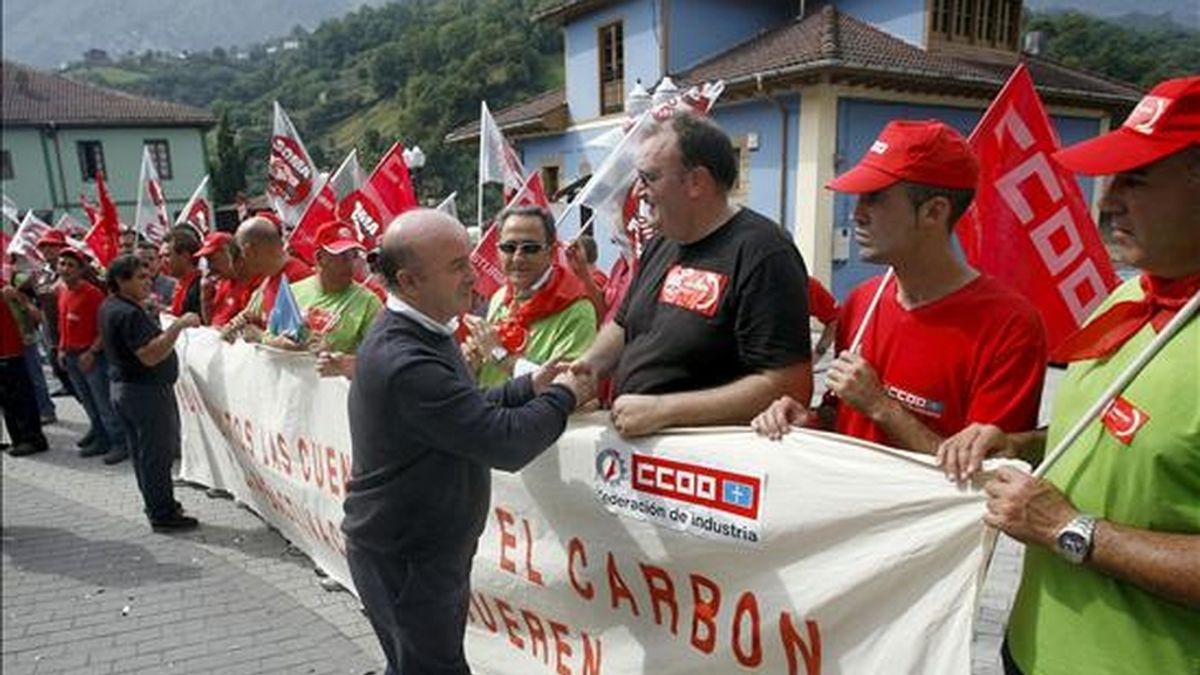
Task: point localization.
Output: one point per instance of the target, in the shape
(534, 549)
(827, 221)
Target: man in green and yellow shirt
(1111, 582)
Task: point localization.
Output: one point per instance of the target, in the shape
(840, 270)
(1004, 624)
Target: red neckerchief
(561, 290)
(1106, 333)
(181, 291)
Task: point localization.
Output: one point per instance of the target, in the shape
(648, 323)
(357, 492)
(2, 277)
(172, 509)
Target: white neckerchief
(399, 306)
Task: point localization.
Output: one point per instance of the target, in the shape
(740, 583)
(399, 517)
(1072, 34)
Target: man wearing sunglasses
(715, 323)
(542, 313)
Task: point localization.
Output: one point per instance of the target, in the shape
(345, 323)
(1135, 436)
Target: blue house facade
(809, 85)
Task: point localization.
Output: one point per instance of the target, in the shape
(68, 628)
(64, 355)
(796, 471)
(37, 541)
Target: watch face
(1073, 544)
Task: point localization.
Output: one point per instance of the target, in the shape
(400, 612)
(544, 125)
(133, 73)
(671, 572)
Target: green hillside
(407, 72)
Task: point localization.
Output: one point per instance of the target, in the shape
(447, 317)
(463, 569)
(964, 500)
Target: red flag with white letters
(1029, 225)
(387, 193)
(324, 208)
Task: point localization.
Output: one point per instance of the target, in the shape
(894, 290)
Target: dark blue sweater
(425, 439)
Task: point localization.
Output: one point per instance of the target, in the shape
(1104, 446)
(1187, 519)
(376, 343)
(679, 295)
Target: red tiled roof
(32, 96)
(562, 11)
(544, 112)
(829, 41)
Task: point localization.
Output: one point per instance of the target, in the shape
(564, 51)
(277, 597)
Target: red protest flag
(489, 278)
(104, 239)
(389, 190)
(324, 207)
(1029, 224)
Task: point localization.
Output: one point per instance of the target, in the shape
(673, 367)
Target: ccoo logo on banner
(700, 499)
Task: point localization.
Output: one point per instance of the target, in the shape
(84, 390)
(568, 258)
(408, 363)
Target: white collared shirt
(399, 306)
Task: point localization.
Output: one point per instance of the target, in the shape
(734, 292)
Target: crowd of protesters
(711, 329)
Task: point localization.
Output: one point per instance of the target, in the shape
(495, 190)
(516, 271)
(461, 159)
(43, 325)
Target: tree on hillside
(1142, 56)
(229, 172)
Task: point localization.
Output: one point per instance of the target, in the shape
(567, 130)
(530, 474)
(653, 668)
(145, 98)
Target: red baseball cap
(52, 238)
(72, 252)
(213, 242)
(336, 237)
(928, 152)
(1166, 121)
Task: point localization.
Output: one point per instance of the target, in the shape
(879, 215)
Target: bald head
(262, 246)
(257, 230)
(413, 236)
(425, 259)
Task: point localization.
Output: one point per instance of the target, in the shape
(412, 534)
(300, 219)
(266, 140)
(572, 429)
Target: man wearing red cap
(337, 311)
(1111, 582)
(226, 287)
(945, 346)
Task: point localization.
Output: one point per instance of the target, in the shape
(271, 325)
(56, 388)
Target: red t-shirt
(230, 297)
(976, 355)
(78, 310)
(822, 306)
(11, 342)
(182, 286)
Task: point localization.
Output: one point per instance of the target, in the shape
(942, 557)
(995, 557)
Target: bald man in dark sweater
(425, 439)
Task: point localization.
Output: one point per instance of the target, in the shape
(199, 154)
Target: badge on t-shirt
(1123, 419)
(915, 402)
(693, 289)
(319, 319)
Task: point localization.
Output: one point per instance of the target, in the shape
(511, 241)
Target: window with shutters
(612, 68)
(91, 159)
(994, 24)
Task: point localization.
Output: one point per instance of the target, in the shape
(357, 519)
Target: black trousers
(418, 608)
(19, 404)
(151, 418)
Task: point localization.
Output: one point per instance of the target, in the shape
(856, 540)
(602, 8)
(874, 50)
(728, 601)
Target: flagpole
(1131, 371)
(856, 344)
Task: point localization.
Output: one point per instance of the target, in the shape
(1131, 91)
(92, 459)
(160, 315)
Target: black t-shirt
(126, 328)
(708, 313)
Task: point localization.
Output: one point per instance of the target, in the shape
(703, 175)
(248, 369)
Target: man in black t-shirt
(715, 323)
(143, 369)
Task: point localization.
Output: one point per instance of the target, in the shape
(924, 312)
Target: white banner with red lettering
(711, 552)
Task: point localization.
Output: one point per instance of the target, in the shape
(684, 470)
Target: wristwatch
(1074, 541)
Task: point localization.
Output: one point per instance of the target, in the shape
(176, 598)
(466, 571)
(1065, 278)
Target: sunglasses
(525, 247)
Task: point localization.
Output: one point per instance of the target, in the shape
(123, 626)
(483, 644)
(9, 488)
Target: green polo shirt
(565, 335)
(1069, 619)
(341, 318)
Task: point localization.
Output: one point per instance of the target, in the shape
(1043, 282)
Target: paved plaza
(88, 588)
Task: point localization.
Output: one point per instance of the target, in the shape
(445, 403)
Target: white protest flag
(498, 161)
(608, 193)
(71, 227)
(448, 205)
(9, 209)
(151, 216)
(24, 241)
(198, 212)
(704, 552)
(291, 173)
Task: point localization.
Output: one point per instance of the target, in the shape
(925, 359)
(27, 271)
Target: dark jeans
(92, 390)
(37, 375)
(1010, 666)
(16, 399)
(418, 608)
(150, 414)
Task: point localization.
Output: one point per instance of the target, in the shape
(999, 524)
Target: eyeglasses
(525, 247)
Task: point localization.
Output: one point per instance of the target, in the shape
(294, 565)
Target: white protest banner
(701, 552)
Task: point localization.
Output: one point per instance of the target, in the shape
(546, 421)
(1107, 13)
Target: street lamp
(414, 157)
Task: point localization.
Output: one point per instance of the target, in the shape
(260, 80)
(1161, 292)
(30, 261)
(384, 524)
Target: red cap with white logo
(336, 237)
(927, 152)
(1166, 121)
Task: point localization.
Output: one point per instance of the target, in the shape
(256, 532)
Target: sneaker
(176, 522)
(115, 456)
(26, 448)
(87, 439)
(60, 392)
(93, 450)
